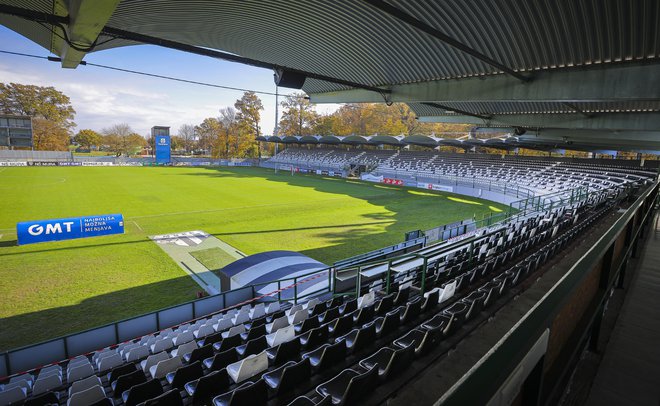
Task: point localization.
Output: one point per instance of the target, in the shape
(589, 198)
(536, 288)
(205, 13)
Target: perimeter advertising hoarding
(162, 149)
(31, 232)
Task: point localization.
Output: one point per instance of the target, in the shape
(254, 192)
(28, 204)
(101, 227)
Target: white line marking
(137, 225)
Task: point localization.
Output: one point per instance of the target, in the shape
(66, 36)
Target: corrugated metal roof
(354, 41)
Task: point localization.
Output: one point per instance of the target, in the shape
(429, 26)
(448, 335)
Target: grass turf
(51, 289)
(213, 258)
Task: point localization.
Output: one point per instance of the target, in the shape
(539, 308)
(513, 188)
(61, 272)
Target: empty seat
(341, 326)
(255, 331)
(164, 367)
(277, 324)
(288, 376)
(326, 355)
(236, 330)
(199, 354)
(364, 315)
(87, 397)
(137, 353)
(204, 330)
(273, 307)
(183, 349)
(307, 324)
(366, 300)
(252, 347)
(12, 395)
(329, 315)
(305, 401)
(153, 360)
(126, 382)
(205, 388)
(389, 323)
(184, 374)
(142, 392)
(348, 307)
(314, 337)
(79, 372)
(162, 344)
(84, 384)
(48, 382)
(422, 340)
(248, 367)
(258, 311)
(228, 343)
(281, 335)
(349, 386)
(389, 361)
(248, 393)
(119, 371)
(298, 316)
(359, 339)
(109, 362)
(221, 360)
(286, 351)
(47, 398)
(169, 398)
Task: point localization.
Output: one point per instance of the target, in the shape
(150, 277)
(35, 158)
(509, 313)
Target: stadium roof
(569, 66)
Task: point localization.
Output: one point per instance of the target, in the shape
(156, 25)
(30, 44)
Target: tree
(37, 101)
(49, 136)
(88, 138)
(121, 139)
(299, 116)
(209, 133)
(229, 121)
(188, 136)
(177, 143)
(249, 117)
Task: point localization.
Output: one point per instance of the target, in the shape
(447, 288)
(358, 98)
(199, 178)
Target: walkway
(629, 373)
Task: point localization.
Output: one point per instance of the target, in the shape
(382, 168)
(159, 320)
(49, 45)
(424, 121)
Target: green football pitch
(56, 288)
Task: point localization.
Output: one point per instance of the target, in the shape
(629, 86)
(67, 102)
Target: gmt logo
(56, 228)
(30, 232)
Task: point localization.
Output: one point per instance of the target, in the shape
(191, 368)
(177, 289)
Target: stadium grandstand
(553, 302)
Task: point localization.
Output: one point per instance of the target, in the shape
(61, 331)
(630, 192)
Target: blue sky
(103, 97)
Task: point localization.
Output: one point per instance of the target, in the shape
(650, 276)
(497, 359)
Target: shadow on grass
(406, 211)
(34, 327)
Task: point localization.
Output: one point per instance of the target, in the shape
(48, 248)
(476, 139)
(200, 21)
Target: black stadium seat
(349, 386)
(142, 392)
(284, 352)
(221, 360)
(249, 393)
(199, 354)
(208, 386)
(389, 361)
(169, 398)
(125, 382)
(121, 370)
(47, 398)
(185, 374)
(288, 376)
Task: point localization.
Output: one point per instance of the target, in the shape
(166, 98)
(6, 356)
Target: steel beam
(602, 121)
(630, 82)
(86, 20)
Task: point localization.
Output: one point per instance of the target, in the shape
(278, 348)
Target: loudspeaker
(287, 78)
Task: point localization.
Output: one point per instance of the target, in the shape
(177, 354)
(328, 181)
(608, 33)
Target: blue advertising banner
(162, 149)
(30, 232)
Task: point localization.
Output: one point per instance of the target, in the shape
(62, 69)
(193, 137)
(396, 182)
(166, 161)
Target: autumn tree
(229, 120)
(248, 108)
(37, 101)
(298, 117)
(188, 136)
(209, 132)
(50, 109)
(122, 140)
(88, 138)
(49, 136)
